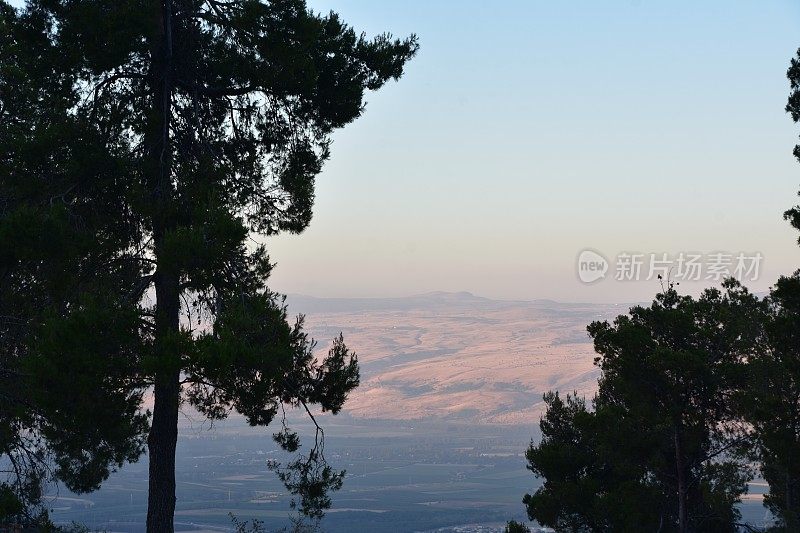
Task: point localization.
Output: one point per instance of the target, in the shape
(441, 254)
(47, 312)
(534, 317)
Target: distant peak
(446, 295)
(461, 294)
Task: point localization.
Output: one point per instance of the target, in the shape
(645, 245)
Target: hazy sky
(527, 131)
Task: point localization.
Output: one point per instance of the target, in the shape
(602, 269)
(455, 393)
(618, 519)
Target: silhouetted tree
(592, 472)
(515, 527)
(770, 402)
(70, 388)
(151, 141)
(689, 391)
(662, 447)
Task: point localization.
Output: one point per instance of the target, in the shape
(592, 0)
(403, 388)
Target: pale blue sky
(525, 131)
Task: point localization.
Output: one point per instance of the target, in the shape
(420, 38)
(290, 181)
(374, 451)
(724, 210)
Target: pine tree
(770, 401)
(663, 447)
(69, 397)
(191, 127)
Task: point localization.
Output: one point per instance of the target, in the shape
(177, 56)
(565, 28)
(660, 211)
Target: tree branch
(215, 92)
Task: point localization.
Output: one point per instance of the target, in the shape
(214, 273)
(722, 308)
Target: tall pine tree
(191, 126)
(772, 399)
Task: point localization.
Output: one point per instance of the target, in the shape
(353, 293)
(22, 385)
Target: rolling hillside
(456, 356)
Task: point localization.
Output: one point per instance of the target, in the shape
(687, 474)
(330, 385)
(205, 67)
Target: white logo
(591, 266)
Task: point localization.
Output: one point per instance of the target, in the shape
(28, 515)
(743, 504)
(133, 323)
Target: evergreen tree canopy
(143, 144)
(69, 379)
(662, 448)
(770, 402)
(691, 391)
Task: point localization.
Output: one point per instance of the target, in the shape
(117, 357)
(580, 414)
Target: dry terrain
(459, 356)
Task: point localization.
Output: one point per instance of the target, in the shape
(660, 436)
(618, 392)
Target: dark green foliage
(593, 480)
(565, 459)
(773, 404)
(662, 447)
(257, 526)
(691, 391)
(515, 527)
(310, 481)
(772, 401)
(143, 144)
(70, 402)
(793, 108)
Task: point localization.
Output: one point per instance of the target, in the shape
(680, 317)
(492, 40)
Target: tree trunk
(791, 518)
(680, 468)
(163, 437)
(161, 449)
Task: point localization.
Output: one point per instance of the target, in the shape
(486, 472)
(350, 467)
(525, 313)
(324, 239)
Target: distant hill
(300, 303)
(457, 356)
